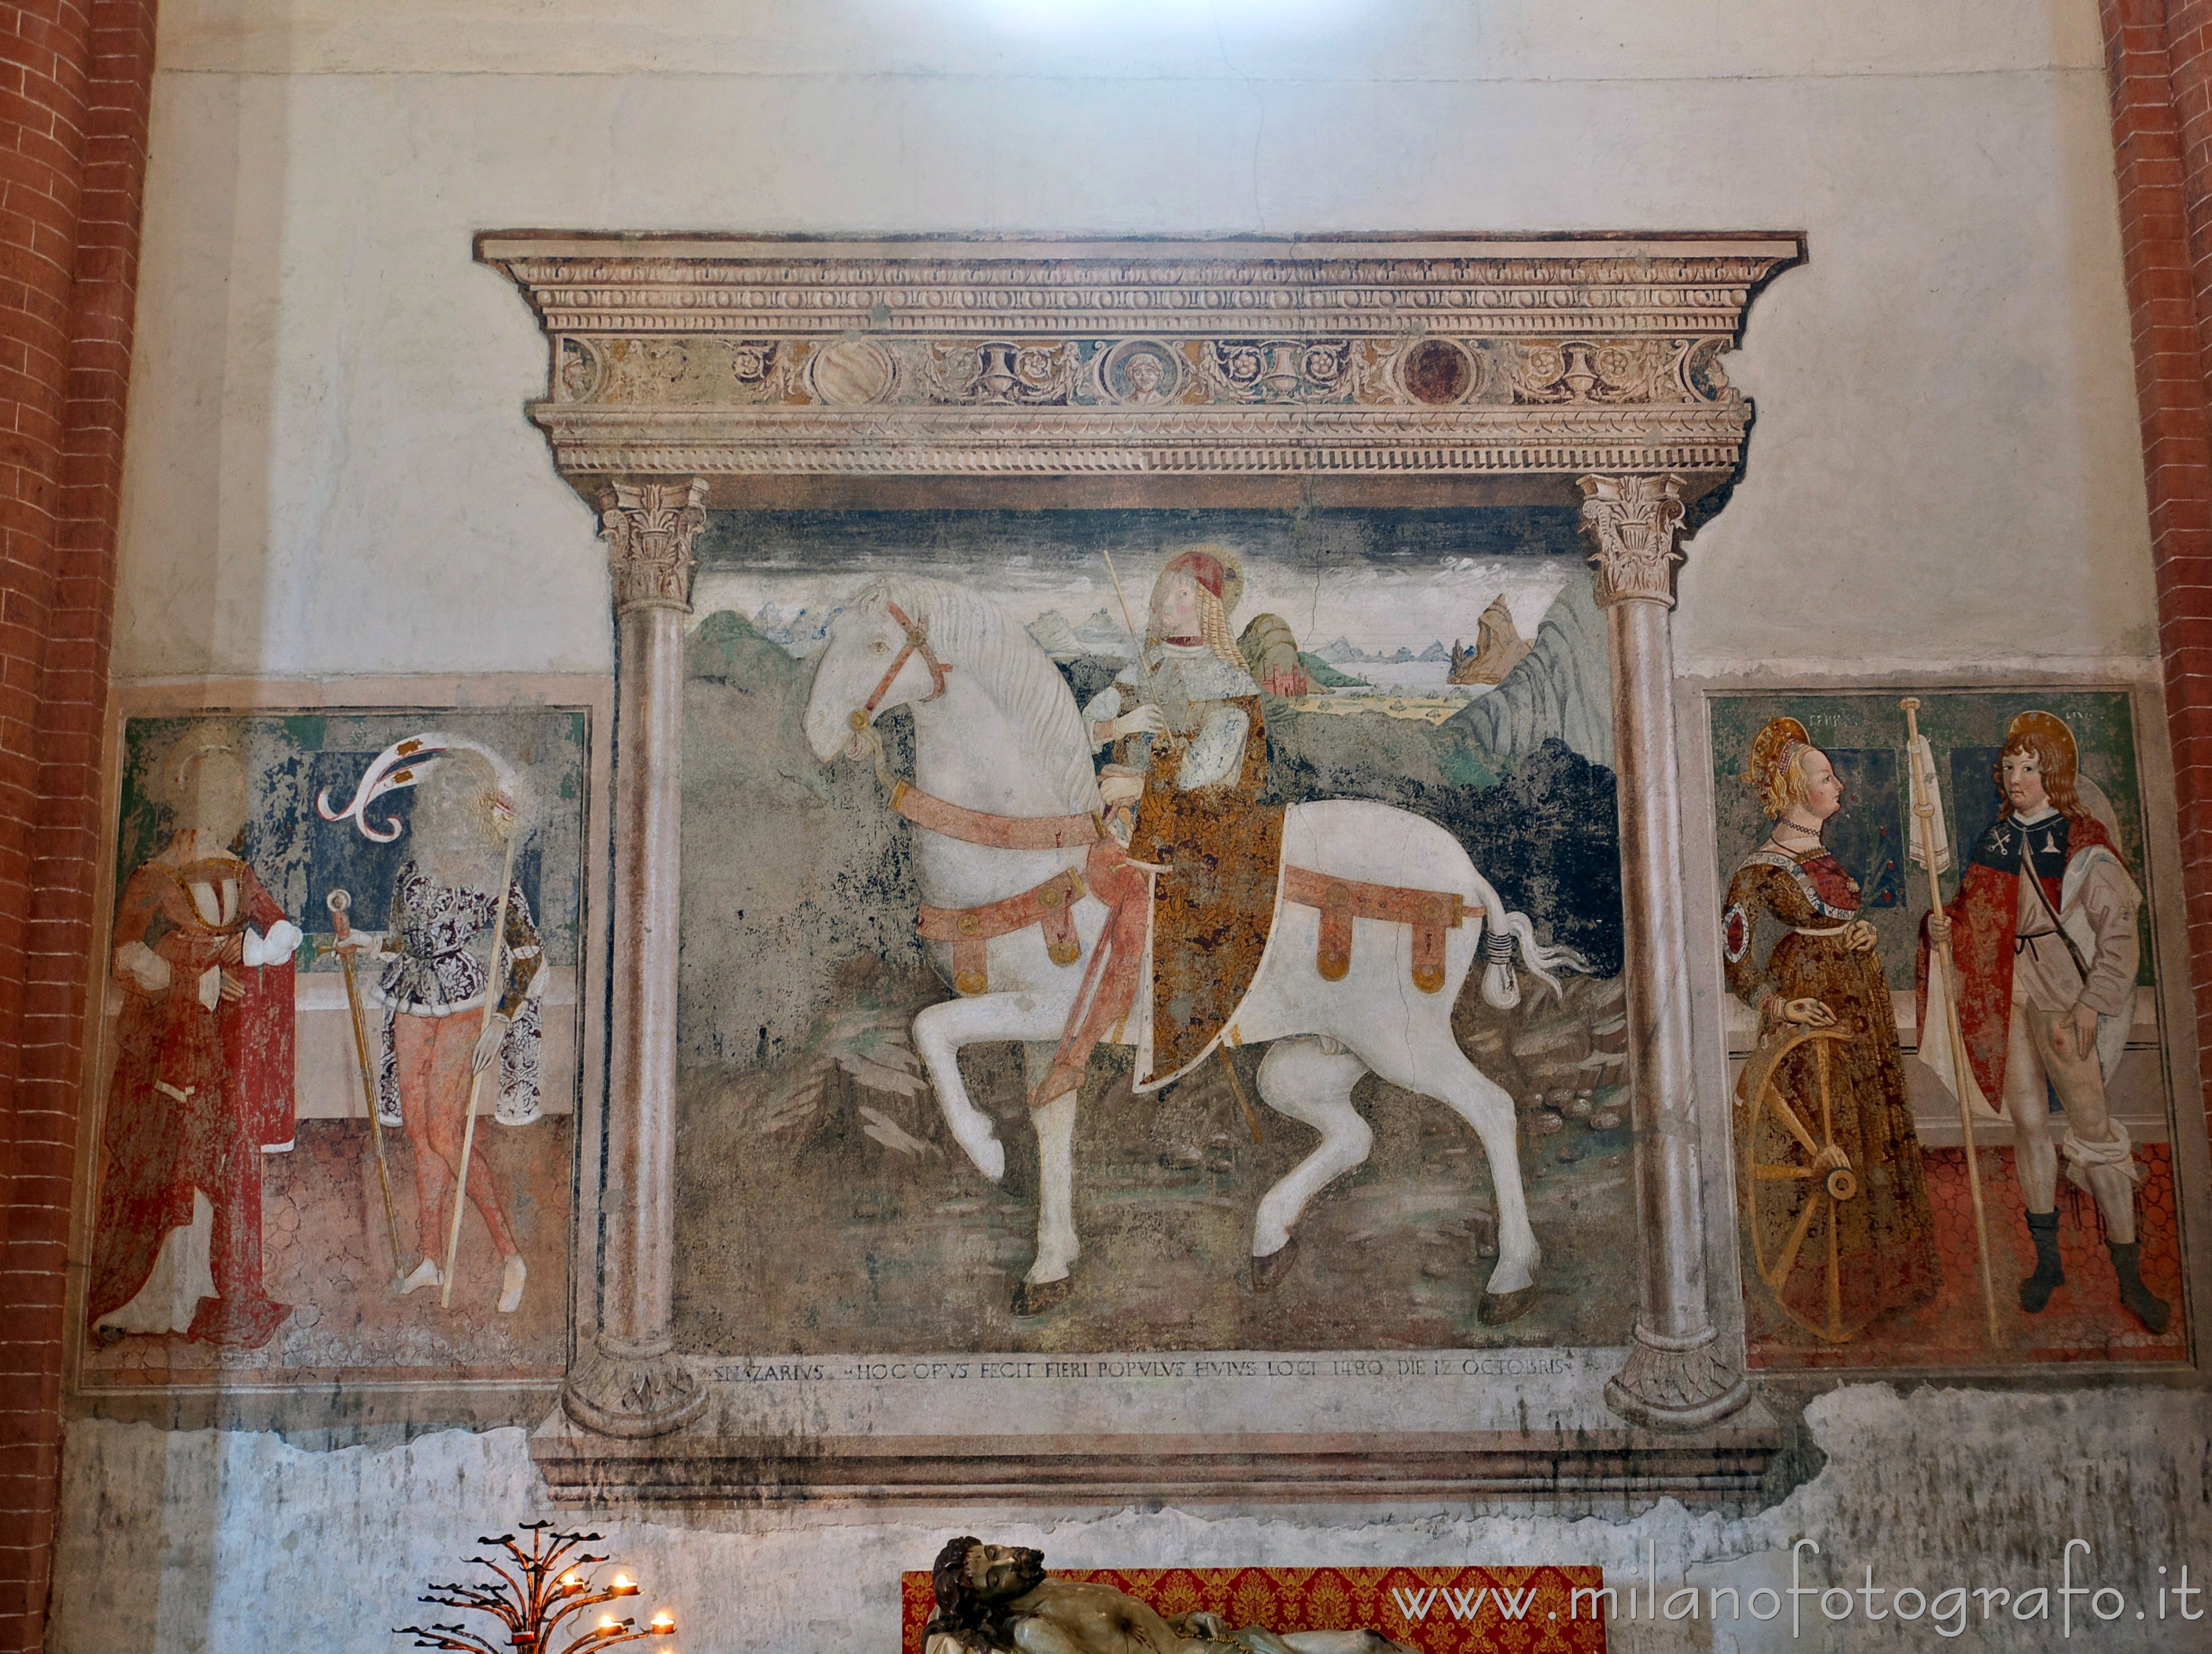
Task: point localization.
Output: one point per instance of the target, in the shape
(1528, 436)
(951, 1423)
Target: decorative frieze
(1455, 358)
(1140, 371)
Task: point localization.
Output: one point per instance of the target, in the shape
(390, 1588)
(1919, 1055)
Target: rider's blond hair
(1212, 611)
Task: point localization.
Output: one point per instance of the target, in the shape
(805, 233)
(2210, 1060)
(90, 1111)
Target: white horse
(997, 732)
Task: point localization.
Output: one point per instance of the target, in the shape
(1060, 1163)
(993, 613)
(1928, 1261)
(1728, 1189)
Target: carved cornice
(650, 528)
(1631, 523)
(1456, 356)
(590, 285)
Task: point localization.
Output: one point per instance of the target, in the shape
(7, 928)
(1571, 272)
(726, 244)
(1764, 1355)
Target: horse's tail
(1505, 934)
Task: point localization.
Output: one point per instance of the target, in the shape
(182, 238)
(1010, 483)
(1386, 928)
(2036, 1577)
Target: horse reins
(917, 643)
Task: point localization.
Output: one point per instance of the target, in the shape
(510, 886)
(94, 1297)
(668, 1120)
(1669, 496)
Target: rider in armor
(1191, 758)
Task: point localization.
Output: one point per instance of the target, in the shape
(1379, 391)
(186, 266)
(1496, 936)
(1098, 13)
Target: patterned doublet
(436, 974)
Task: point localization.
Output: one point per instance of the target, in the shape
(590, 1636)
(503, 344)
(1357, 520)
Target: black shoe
(2035, 1292)
(2142, 1304)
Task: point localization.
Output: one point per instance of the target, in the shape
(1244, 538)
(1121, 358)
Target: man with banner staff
(2042, 932)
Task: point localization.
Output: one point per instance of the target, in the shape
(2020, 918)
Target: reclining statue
(996, 1599)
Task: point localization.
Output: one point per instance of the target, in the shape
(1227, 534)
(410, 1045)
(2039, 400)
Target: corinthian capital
(650, 528)
(1632, 522)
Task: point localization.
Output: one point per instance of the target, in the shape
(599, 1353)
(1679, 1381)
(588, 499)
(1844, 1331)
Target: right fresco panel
(1936, 1078)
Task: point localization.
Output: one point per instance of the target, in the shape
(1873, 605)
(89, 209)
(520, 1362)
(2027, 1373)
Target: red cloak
(1984, 914)
(197, 1093)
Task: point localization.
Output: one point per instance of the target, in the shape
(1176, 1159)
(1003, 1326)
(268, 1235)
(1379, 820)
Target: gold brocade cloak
(1211, 910)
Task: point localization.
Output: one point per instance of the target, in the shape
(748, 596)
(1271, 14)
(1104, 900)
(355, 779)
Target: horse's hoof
(1267, 1273)
(1037, 1297)
(985, 1151)
(1496, 1308)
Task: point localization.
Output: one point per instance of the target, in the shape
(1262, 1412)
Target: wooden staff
(1120, 597)
(1924, 808)
(476, 1081)
(339, 904)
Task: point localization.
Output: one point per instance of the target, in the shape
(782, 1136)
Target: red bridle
(917, 643)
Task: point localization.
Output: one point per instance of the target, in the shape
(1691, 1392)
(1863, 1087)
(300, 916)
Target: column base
(619, 1388)
(1676, 1383)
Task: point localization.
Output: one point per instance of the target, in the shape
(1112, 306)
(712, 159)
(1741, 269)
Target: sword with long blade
(340, 904)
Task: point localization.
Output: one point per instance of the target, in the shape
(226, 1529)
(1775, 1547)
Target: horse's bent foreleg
(1429, 1062)
(1301, 1079)
(939, 1032)
(1057, 1246)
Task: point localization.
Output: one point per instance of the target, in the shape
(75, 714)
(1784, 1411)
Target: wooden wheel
(1795, 1183)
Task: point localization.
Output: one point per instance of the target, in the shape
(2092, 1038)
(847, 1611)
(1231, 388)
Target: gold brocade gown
(1887, 1237)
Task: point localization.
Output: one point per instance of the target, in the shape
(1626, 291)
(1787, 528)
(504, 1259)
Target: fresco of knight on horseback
(1303, 928)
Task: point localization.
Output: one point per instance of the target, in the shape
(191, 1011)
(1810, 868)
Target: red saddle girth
(1050, 906)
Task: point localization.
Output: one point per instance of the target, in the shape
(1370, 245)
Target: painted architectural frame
(695, 384)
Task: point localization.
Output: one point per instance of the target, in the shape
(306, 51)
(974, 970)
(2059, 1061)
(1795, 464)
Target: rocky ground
(884, 1238)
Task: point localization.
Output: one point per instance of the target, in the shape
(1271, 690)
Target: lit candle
(607, 1622)
(663, 1622)
(624, 1585)
(569, 1582)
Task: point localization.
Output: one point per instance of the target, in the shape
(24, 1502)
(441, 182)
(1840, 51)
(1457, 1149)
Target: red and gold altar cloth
(1437, 1610)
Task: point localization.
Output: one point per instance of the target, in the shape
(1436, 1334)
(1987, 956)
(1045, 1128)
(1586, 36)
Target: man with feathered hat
(2043, 932)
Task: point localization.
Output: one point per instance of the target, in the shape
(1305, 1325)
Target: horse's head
(877, 657)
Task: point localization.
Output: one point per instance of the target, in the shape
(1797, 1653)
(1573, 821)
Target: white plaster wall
(329, 473)
(194, 1541)
(329, 470)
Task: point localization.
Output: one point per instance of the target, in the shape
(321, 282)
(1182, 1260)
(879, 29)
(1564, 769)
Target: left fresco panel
(308, 1054)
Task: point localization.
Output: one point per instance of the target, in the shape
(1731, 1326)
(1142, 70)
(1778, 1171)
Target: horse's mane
(983, 643)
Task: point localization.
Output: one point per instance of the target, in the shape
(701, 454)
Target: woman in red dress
(203, 1082)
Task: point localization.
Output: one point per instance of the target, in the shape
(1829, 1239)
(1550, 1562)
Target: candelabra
(540, 1590)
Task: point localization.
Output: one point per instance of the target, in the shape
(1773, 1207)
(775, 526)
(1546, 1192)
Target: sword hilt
(339, 904)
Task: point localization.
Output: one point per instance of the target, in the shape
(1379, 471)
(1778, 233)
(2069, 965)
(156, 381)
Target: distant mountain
(726, 646)
(1104, 634)
(1338, 653)
(1400, 658)
(1327, 677)
(1561, 690)
(1435, 652)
